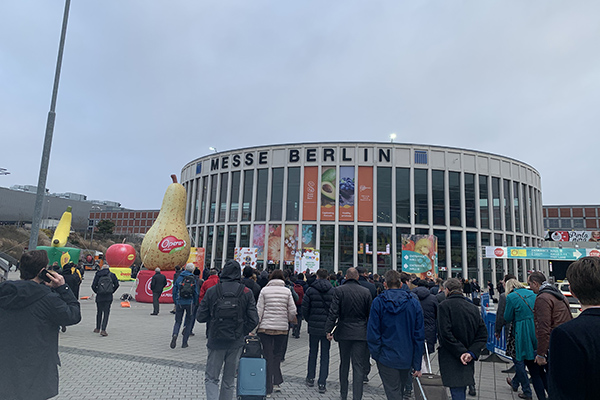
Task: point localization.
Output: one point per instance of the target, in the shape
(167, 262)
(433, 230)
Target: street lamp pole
(41, 188)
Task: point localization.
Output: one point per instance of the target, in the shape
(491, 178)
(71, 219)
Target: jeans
(313, 348)
(352, 350)
(273, 349)
(214, 363)
(394, 381)
(102, 313)
(155, 303)
(538, 378)
(458, 393)
(521, 378)
(296, 327)
(187, 323)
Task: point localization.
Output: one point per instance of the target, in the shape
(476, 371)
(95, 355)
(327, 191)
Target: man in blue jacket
(396, 336)
(185, 297)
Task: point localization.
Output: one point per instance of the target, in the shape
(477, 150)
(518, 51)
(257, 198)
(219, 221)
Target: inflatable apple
(120, 255)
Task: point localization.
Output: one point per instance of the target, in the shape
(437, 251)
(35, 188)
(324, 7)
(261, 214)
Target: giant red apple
(120, 255)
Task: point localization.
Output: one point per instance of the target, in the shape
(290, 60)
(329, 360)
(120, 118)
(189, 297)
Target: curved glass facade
(354, 201)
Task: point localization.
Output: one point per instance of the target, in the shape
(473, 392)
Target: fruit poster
(328, 184)
(346, 194)
(197, 257)
(274, 244)
(246, 256)
(290, 243)
(419, 255)
(61, 255)
(258, 240)
(307, 259)
(365, 194)
(309, 236)
(309, 201)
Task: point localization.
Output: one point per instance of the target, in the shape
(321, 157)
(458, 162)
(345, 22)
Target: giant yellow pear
(167, 243)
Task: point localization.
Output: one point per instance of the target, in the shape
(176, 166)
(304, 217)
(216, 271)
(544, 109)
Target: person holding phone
(31, 313)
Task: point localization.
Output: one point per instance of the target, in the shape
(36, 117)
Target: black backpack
(252, 347)
(105, 285)
(227, 322)
(187, 287)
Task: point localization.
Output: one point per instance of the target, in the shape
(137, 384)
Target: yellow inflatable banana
(61, 234)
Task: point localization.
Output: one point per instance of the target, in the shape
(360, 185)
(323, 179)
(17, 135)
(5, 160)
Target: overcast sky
(149, 85)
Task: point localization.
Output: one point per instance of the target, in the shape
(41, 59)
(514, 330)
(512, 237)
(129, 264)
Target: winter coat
(253, 286)
(395, 332)
(106, 297)
(210, 282)
(31, 315)
(366, 284)
(349, 311)
(263, 279)
(500, 322)
(551, 309)
(73, 280)
(230, 282)
(460, 330)
(158, 283)
(275, 306)
(177, 299)
(315, 306)
(491, 289)
(467, 288)
(429, 305)
(574, 353)
(519, 310)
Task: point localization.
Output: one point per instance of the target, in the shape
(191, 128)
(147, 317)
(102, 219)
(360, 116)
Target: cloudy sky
(149, 85)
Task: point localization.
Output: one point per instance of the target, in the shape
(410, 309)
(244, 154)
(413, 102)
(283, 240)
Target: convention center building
(355, 201)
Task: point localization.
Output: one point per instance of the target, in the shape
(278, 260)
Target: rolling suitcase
(430, 385)
(252, 371)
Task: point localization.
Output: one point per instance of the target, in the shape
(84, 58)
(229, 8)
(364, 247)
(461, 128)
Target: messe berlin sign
(536, 253)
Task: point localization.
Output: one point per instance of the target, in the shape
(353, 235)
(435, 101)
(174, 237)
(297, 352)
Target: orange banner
(365, 194)
(328, 184)
(311, 185)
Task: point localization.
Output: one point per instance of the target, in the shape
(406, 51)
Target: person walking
(251, 283)
(462, 335)
(315, 308)
(574, 354)
(230, 305)
(157, 284)
(185, 297)
(490, 289)
(429, 305)
(276, 309)
(30, 316)
(104, 285)
(347, 324)
(300, 287)
(395, 336)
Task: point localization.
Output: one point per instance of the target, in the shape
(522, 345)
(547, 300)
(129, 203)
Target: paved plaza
(135, 361)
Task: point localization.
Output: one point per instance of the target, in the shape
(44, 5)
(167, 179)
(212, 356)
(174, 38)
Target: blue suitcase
(252, 379)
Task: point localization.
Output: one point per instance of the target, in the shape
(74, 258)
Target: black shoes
(524, 396)
(154, 314)
(322, 389)
(366, 379)
(310, 382)
(509, 381)
(174, 341)
(184, 345)
(472, 391)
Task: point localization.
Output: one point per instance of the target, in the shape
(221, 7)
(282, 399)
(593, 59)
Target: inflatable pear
(167, 243)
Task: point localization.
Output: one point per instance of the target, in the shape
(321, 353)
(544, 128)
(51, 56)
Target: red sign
(143, 294)
(170, 244)
(498, 252)
(594, 253)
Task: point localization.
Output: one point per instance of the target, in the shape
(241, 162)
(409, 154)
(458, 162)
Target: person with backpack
(300, 287)
(185, 297)
(231, 310)
(213, 279)
(104, 285)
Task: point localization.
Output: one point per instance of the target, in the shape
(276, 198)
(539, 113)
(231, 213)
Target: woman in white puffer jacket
(276, 309)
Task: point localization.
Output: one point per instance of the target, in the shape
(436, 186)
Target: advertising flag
(346, 197)
(419, 255)
(365, 194)
(309, 202)
(328, 184)
(246, 256)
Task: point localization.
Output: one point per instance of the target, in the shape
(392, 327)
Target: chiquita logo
(171, 244)
(499, 252)
(130, 257)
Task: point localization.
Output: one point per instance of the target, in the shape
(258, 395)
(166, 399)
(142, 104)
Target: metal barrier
(494, 345)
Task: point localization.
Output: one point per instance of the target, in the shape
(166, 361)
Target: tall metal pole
(41, 187)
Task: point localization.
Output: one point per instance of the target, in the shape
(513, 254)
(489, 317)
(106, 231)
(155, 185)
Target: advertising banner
(309, 236)
(328, 184)
(365, 194)
(61, 255)
(309, 201)
(290, 243)
(419, 255)
(197, 257)
(307, 259)
(274, 245)
(536, 253)
(143, 294)
(346, 197)
(123, 274)
(258, 240)
(572, 236)
(246, 256)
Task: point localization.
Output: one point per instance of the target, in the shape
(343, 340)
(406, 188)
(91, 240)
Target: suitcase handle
(428, 359)
(421, 388)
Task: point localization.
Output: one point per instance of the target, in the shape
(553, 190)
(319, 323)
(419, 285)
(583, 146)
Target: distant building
(127, 221)
(566, 217)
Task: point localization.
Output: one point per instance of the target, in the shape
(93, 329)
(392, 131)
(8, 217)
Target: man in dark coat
(347, 324)
(185, 304)
(429, 305)
(157, 284)
(300, 287)
(250, 282)
(315, 309)
(363, 279)
(574, 355)
(30, 316)
(103, 300)
(467, 287)
(462, 335)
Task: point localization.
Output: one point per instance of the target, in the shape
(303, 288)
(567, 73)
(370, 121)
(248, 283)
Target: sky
(149, 85)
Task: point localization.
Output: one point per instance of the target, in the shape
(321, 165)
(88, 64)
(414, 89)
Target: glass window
(203, 201)
(346, 247)
(421, 231)
(421, 209)
(454, 192)
(403, 195)
(525, 209)
(292, 212)
(507, 206)
(496, 204)
(456, 255)
(470, 200)
(201, 236)
(484, 212)
(193, 237)
(194, 217)
(499, 263)
(234, 203)
(437, 193)
(244, 235)
(247, 195)
(231, 236)
(472, 255)
(553, 223)
(399, 232)
(384, 194)
(384, 249)
(486, 262)
(219, 246)
(223, 197)
(209, 246)
(276, 194)
(261, 194)
(441, 242)
(565, 223)
(326, 247)
(516, 201)
(365, 247)
(578, 223)
(213, 197)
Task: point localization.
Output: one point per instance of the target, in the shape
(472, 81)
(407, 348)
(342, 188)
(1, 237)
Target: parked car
(573, 302)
